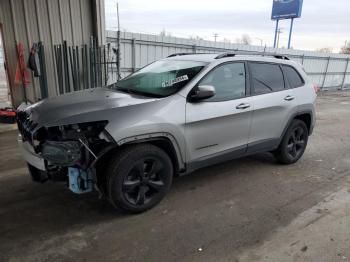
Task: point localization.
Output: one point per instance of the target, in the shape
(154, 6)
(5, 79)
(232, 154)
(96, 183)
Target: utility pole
(215, 36)
(279, 31)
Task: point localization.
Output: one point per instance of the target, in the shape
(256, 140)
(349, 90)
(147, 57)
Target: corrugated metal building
(49, 21)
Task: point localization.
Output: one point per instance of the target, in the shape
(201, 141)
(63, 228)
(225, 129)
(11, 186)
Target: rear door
(220, 124)
(274, 103)
(303, 92)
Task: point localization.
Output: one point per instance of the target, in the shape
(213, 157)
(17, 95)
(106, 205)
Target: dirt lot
(216, 214)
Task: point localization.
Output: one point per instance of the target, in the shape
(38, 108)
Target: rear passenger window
(266, 78)
(293, 77)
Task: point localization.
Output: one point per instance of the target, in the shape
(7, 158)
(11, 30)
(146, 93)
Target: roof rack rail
(281, 57)
(180, 54)
(224, 55)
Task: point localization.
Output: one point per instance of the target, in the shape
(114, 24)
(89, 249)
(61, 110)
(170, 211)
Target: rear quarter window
(293, 77)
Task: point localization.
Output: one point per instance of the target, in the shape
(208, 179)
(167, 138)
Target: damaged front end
(64, 153)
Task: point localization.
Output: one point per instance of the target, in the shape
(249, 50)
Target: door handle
(289, 98)
(243, 106)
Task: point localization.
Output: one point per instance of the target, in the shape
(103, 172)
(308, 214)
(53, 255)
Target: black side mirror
(202, 92)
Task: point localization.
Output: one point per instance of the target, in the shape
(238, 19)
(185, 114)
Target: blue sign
(285, 9)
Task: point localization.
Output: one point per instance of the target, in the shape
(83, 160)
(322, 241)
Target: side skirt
(250, 149)
(215, 159)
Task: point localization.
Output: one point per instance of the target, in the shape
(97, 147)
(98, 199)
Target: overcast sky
(324, 23)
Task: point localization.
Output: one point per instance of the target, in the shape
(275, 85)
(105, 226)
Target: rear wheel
(293, 144)
(139, 178)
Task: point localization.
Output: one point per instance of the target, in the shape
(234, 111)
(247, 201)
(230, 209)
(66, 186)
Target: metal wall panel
(49, 21)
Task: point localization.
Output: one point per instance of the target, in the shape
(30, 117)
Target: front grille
(26, 126)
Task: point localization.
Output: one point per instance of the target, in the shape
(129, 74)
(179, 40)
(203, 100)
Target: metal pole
(194, 49)
(133, 55)
(83, 67)
(325, 73)
(92, 67)
(43, 77)
(86, 67)
(58, 56)
(290, 32)
(345, 72)
(105, 65)
(118, 45)
(66, 67)
(274, 42)
(278, 37)
(78, 67)
(71, 67)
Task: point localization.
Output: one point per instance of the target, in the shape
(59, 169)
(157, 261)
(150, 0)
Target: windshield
(161, 78)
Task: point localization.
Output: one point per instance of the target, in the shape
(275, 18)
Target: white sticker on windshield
(174, 81)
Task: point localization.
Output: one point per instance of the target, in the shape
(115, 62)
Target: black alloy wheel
(139, 178)
(296, 142)
(144, 181)
(293, 143)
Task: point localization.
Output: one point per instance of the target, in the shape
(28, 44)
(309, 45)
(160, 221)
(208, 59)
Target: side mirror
(202, 92)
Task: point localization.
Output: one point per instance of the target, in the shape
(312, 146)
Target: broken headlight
(62, 153)
(74, 144)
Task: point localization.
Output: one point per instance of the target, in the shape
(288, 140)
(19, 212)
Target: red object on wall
(22, 75)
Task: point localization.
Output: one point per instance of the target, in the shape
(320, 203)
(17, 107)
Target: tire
(139, 178)
(293, 143)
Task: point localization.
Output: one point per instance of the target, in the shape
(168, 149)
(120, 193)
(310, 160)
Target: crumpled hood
(80, 105)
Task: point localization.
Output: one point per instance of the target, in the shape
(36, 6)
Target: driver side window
(228, 80)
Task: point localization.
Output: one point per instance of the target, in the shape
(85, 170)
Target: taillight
(316, 88)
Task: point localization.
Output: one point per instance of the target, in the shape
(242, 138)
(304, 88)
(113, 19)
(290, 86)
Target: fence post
(302, 59)
(133, 55)
(325, 73)
(194, 49)
(345, 73)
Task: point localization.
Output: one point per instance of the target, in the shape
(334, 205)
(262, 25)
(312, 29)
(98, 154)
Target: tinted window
(228, 80)
(293, 77)
(266, 78)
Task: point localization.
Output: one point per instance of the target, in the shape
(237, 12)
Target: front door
(220, 124)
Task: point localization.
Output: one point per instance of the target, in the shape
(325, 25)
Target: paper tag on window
(174, 81)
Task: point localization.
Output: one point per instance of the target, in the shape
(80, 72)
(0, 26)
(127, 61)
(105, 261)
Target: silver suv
(176, 115)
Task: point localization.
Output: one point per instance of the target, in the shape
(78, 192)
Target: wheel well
(169, 149)
(163, 143)
(306, 118)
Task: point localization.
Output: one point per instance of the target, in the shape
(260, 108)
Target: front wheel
(139, 178)
(293, 144)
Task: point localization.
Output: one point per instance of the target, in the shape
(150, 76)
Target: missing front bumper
(37, 175)
(29, 155)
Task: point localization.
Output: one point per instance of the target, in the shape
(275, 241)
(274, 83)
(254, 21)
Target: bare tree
(324, 50)
(244, 40)
(193, 37)
(226, 40)
(164, 33)
(346, 48)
